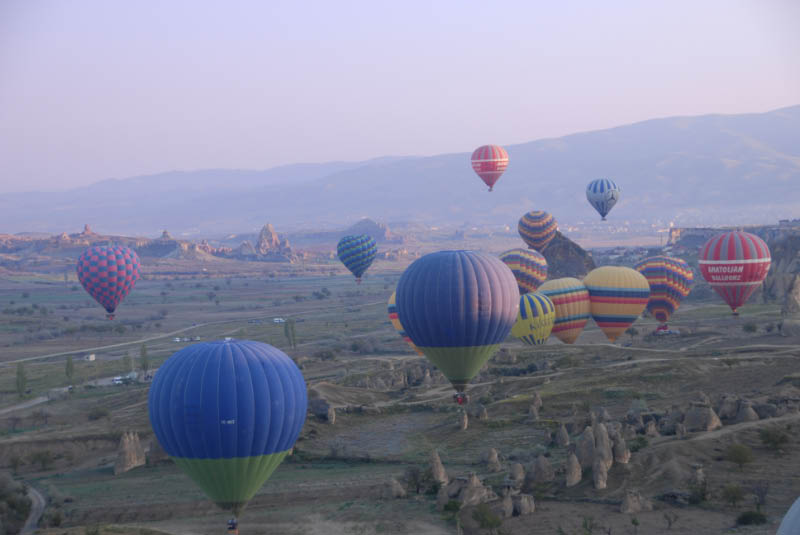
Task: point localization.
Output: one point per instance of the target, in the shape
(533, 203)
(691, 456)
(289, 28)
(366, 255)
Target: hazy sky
(95, 89)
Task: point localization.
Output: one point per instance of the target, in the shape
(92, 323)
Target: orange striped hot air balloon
(395, 319)
(528, 266)
(489, 162)
(670, 281)
(571, 299)
(537, 229)
(617, 296)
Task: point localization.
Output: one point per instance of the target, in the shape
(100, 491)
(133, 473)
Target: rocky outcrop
(438, 473)
(475, 493)
(394, 490)
(492, 461)
(573, 470)
(156, 453)
(584, 448)
(565, 258)
(129, 454)
(651, 429)
(319, 407)
(517, 475)
(599, 474)
(483, 414)
(562, 437)
(331, 416)
(463, 420)
(701, 418)
(541, 472)
(603, 449)
(523, 505)
(746, 412)
(634, 503)
(621, 452)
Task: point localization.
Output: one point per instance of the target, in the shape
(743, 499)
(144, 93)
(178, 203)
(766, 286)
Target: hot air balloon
(228, 412)
(603, 194)
(571, 300)
(735, 264)
(528, 266)
(617, 296)
(457, 306)
(108, 274)
(395, 319)
(357, 253)
(790, 525)
(534, 319)
(670, 281)
(489, 162)
(537, 229)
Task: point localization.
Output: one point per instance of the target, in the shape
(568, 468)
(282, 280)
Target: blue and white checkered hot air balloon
(603, 194)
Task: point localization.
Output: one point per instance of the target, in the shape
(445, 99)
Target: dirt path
(24, 405)
(37, 508)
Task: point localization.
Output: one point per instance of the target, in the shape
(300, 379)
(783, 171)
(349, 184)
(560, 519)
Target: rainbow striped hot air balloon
(395, 319)
(228, 412)
(108, 274)
(617, 296)
(537, 229)
(489, 162)
(571, 300)
(528, 266)
(534, 319)
(670, 281)
(457, 306)
(735, 264)
(357, 253)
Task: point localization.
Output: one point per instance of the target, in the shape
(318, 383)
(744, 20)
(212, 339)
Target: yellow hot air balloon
(535, 318)
(571, 300)
(617, 296)
(395, 319)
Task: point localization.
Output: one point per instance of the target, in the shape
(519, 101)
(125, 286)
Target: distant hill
(704, 170)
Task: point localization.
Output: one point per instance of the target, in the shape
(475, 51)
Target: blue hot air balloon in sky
(603, 194)
(228, 412)
(457, 306)
(357, 253)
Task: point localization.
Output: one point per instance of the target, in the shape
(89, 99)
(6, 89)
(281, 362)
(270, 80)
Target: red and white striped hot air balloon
(490, 161)
(735, 264)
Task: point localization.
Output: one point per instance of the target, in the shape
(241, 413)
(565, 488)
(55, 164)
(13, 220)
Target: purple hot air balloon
(108, 274)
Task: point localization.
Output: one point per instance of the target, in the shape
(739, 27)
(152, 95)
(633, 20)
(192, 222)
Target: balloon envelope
(357, 253)
(735, 264)
(790, 525)
(603, 194)
(457, 306)
(571, 301)
(395, 319)
(670, 280)
(528, 266)
(537, 229)
(108, 274)
(489, 162)
(228, 412)
(617, 296)
(534, 319)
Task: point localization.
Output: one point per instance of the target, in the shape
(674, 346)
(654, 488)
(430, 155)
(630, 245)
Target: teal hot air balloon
(228, 412)
(357, 253)
(457, 306)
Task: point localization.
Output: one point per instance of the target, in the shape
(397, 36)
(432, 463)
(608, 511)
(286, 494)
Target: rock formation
(156, 453)
(562, 437)
(603, 449)
(621, 452)
(331, 416)
(517, 475)
(492, 461)
(746, 412)
(129, 454)
(599, 474)
(537, 400)
(573, 470)
(463, 420)
(701, 418)
(483, 414)
(394, 490)
(541, 471)
(651, 429)
(523, 505)
(566, 258)
(584, 448)
(634, 503)
(438, 473)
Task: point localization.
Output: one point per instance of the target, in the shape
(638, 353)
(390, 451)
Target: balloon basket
(233, 526)
(110, 316)
(461, 398)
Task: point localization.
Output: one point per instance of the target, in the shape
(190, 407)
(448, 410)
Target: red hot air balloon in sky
(735, 264)
(108, 274)
(490, 161)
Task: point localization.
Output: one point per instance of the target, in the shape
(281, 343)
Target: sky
(97, 89)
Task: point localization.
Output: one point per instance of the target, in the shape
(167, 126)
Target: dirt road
(37, 508)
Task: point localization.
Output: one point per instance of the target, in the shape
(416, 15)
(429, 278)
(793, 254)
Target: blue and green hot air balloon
(357, 253)
(228, 412)
(457, 306)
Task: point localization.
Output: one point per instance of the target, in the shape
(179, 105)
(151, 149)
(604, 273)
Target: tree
(289, 333)
(22, 379)
(69, 368)
(732, 494)
(760, 490)
(414, 478)
(144, 360)
(485, 518)
(42, 457)
(773, 437)
(670, 518)
(739, 454)
(127, 363)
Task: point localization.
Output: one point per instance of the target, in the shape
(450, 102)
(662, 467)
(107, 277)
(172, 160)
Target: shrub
(638, 443)
(485, 518)
(97, 413)
(453, 506)
(749, 518)
(773, 437)
(732, 494)
(698, 492)
(750, 327)
(739, 454)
